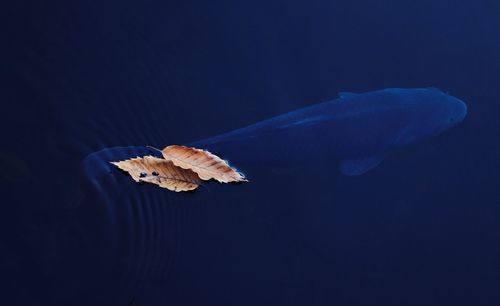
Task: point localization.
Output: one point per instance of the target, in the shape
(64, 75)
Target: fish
(356, 130)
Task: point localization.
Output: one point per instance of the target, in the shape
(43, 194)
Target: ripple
(143, 223)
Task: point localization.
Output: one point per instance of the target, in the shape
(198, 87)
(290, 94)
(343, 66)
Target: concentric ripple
(142, 223)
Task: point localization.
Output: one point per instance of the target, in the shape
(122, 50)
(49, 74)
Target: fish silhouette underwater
(357, 129)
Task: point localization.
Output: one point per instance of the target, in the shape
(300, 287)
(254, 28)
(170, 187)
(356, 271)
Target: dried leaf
(161, 172)
(205, 164)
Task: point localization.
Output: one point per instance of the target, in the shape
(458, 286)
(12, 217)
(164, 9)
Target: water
(421, 229)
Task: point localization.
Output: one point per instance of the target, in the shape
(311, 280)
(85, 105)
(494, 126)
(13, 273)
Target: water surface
(422, 229)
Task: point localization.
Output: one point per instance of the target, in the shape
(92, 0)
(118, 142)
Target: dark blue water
(421, 229)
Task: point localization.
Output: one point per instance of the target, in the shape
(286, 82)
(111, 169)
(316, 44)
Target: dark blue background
(76, 77)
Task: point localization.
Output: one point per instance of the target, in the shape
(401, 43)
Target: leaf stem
(151, 147)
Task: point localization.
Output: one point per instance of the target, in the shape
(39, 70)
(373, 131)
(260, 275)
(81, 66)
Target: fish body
(356, 129)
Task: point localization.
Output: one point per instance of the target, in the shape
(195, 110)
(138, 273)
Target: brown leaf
(161, 172)
(205, 164)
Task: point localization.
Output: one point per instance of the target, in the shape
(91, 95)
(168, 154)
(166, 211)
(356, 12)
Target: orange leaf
(205, 164)
(161, 172)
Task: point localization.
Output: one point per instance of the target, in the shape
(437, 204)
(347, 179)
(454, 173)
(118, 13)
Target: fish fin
(358, 166)
(347, 94)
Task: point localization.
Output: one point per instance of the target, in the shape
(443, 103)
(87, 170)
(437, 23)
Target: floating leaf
(161, 172)
(205, 164)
